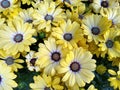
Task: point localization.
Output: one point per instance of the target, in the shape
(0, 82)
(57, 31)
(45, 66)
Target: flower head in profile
(68, 34)
(16, 37)
(31, 60)
(94, 27)
(7, 77)
(77, 67)
(45, 82)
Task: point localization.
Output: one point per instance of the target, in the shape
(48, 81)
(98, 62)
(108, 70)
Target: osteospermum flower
(114, 79)
(110, 46)
(26, 15)
(16, 37)
(6, 78)
(12, 61)
(45, 82)
(48, 14)
(49, 56)
(68, 34)
(94, 27)
(98, 5)
(113, 15)
(31, 61)
(77, 67)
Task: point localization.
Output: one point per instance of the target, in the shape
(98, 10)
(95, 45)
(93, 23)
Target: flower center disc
(18, 38)
(75, 66)
(67, 36)
(9, 60)
(109, 43)
(95, 30)
(32, 61)
(81, 16)
(48, 17)
(5, 3)
(56, 56)
(29, 20)
(105, 4)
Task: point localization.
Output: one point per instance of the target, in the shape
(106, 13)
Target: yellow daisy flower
(31, 61)
(12, 61)
(6, 78)
(77, 67)
(104, 4)
(113, 15)
(49, 56)
(26, 15)
(114, 79)
(47, 15)
(68, 34)
(110, 46)
(45, 82)
(94, 27)
(16, 37)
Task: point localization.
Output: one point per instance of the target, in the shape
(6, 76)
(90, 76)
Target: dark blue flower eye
(105, 4)
(18, 38)
(95, 30)
(75, 66)
(109, 43)
(67, 36)
(5, 3)
(48, 17)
